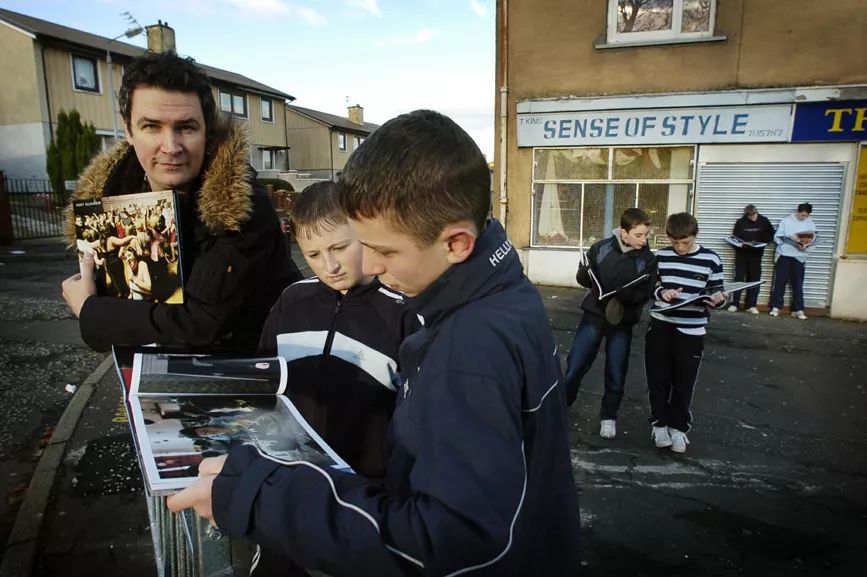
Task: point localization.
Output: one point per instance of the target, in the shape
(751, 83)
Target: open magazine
(805, 239)
(134, 240)
(183, 408)
(740, 243)
(583, 260)
(703, 298)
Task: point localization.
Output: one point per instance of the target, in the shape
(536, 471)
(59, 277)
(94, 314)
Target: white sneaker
(678, 441)
(660, 437)
(732, 309)
(799, 315)
(607, 429)
(753, 310)
(775, 312)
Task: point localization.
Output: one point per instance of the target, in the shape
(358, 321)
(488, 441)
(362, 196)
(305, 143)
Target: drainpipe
(504, 111)
(47, 96)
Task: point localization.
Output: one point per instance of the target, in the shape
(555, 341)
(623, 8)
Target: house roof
(43, 28)
(335, 121)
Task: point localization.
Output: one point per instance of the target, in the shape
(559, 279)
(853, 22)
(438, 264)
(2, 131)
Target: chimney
(356, 114)
(161, 38)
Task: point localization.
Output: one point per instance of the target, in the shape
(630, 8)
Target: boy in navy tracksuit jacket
(674, 344)
(339, 332)
(479, 478)
(623, 265)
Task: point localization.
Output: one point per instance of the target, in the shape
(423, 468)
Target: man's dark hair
(633, 217)
(167, 71)
(681, 225)
(317, 209)
(422, 172)
(805, 207)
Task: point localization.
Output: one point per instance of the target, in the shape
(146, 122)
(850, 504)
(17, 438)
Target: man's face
(683, 246)
(753, 217)
(334, 256)
(167, 131)
(635, 237)
(395, 258)
(801, 215)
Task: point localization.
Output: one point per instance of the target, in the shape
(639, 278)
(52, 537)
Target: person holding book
(340, 332)
(479, 477)
(234, 257)
(755, 231)
(795, 239)
(674, 343)
(620, 272)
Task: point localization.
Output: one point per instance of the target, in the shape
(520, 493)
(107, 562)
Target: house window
(356, 142)
(267, 110)
(580, 193)
(647, 21)
(341, 141)
(233, 103)
(267, 159)
(84, 75)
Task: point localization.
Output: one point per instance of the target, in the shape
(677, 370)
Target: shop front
(708, 154)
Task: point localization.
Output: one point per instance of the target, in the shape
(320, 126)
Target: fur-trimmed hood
(224, 199)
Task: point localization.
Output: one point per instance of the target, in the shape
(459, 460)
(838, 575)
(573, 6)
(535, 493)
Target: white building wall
(22, 150)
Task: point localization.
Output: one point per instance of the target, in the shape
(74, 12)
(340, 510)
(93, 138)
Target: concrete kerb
(18, 560)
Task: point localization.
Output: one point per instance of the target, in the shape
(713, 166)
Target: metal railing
(36, 211)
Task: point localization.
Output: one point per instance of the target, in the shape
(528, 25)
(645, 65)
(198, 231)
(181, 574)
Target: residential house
(684, 105)
(320, 143)
(50, 68)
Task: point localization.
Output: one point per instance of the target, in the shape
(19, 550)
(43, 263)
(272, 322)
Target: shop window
(580, 193)
(84, 75)
(648, 21)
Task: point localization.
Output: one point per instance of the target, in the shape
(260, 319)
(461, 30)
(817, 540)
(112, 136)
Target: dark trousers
(585, 346)
(748, 267)
(671, 363)
(788, 270)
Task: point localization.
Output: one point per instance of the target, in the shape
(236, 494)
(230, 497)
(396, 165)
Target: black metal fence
(36, 211)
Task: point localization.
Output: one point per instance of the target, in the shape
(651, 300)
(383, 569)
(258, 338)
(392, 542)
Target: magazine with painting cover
(806, 238)
(583, 260)
(704, 296)
(740, 243)
(186, 407)
(134, 240)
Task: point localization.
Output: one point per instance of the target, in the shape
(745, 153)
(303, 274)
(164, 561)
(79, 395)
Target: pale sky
(389, 56)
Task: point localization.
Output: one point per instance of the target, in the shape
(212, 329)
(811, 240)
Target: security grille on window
(659, 20)
(267, 114)
(233, 103)
(580, 193)
(84, 74)
(341, 141)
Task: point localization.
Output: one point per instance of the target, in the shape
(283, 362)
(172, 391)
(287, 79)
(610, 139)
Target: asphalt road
(773, 482)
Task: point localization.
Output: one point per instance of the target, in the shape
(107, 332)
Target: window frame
(341, 141)
(270, 117)
(96, 73)
(583, 182)
(356, 141)
(232, 94)
(613, 37)
(267, 153)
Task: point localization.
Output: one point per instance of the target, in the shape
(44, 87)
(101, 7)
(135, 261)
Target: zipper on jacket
(329, 339)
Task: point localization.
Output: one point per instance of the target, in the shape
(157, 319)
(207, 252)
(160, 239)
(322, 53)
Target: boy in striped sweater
(675, 339)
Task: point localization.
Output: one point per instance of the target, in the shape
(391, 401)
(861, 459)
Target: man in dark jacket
(479, 477)
(754, 231)
(620, 272)
(235, 259)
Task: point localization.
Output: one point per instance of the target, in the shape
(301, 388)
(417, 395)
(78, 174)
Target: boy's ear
(460, 240)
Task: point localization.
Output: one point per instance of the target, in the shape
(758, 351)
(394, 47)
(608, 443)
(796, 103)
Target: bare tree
(628, 10)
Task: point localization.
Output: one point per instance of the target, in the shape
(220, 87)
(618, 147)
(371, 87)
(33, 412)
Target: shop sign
(835, 120)
(729, 124)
